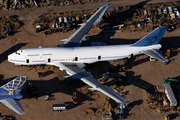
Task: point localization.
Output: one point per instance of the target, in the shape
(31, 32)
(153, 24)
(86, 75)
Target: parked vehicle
(175, 9)
(32, 89)
(170, 9)
(177, 14)
(65, 19)
(159, 11)
(59, 107)
(165, 10)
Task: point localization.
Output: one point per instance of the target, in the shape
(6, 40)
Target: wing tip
(166, 61)
(21, 113)
(25, 77)
(107, 4)
(162, 27)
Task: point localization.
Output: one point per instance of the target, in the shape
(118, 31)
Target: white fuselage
(36, 56)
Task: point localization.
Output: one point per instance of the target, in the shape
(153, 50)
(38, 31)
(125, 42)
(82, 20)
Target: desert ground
(141, 73)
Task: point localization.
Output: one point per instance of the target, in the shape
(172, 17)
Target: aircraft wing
(14, 105)
(74, 70)
(76, 39)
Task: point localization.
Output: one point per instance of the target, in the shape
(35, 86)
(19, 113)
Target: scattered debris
(49, 98)
(147, 17)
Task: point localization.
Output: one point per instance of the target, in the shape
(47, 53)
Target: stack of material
(160, 88)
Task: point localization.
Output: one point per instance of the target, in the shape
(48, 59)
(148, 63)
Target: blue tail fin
(153, 38)
(13, 87)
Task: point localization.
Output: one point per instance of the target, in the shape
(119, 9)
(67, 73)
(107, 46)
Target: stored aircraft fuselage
(36, 56)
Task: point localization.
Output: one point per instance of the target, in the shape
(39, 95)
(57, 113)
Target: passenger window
(76, 58)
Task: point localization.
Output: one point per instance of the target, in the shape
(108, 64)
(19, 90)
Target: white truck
(170, 9)
(59, 107)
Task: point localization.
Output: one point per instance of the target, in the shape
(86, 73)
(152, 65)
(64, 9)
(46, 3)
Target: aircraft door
(99, 57)
(49, 60)
(76, 59)
(27, 60)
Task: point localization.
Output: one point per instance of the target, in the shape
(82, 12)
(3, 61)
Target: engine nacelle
(85, 38)
(93, 89)
(63, 40)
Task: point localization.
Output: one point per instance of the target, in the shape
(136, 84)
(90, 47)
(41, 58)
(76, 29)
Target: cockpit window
(17, 53)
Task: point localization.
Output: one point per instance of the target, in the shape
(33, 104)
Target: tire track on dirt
(153, 115)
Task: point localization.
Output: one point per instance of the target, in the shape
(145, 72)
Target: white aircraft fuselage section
(36, 56)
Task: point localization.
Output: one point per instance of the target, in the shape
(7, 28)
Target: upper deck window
(17, 53)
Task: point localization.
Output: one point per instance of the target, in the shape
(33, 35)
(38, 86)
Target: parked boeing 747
(70, 57)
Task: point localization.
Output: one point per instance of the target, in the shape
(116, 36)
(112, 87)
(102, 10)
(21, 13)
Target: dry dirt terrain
(141, 73)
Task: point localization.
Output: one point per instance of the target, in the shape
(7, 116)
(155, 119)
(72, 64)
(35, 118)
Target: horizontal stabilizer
(152, 38)
(14, 105)
(155, 54)
(9, 94)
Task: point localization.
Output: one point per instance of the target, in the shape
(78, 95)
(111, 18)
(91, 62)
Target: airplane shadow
(55, 86)
(129, 107)
(136, 81)
(5, 54)
(49, 87)
(3, 82)
(132, 62)
(98, 68)
(47, 73)
(7, 117)
(171, 42)
(173, 115)
(2, 37)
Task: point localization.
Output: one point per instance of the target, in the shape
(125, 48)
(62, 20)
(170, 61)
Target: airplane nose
(10, 57)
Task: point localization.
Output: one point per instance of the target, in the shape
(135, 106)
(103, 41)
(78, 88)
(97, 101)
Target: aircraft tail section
(152, 38)
(9, 94)
(13, 87)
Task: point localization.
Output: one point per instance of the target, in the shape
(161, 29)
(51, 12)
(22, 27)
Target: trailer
(170, 95)
(59, 107)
